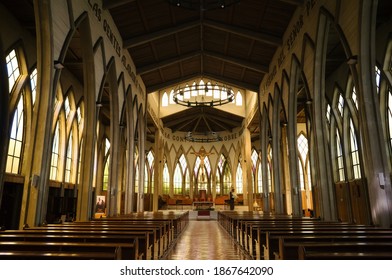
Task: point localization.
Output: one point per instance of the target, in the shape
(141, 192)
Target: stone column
(4, 123)
(85, 186)
(34, 201)
(247, 169)
(286, 173)
(158, 168)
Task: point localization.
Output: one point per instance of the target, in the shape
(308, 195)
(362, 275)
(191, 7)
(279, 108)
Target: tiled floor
(205, 240)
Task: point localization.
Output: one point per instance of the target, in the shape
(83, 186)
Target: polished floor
(205, 240)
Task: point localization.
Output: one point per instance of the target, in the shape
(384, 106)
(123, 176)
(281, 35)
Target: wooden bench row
(285, 237)
(127, 237)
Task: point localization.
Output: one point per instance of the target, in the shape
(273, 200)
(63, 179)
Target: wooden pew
(289, 247)
(156, 241)
(255, 233)
(343, 250)
(262, 234)
(98, 250)
(144, 237)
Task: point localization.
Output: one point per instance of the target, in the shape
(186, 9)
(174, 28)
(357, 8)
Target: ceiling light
(223, 94)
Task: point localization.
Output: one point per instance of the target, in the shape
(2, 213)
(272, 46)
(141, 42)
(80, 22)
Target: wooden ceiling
(232, 45)
(170, 44)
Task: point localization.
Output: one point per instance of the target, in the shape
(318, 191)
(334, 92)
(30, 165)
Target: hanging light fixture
(203, 95)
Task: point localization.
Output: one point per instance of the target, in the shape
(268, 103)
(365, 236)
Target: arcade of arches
(314, 140)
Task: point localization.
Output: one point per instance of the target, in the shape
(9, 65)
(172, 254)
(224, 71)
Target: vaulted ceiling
(174, 40)
(171, 41)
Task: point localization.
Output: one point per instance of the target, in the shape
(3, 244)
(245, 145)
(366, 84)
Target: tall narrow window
(354, 97)
(68, 162)
(389, 117)
(166, 179)
(177, 181)
(150, 179)
(269, 175)
(328, 113)
(354, 152)
(55, 153)
(165, 100)
(105, 181)
(238, 99)
(12, 69)
(67, 107)
(378, 78)
(341, 104)
(339, 158)
(16, 140)
(259, 180)
(303, 149)
(33, 83)
(239, 183)
(146, 177)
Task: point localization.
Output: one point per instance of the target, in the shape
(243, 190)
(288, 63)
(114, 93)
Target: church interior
(168, 129)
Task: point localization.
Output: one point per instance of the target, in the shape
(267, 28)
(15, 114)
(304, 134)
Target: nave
(205, 240)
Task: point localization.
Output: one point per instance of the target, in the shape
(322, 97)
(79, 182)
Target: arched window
(340, 104)
(166, 179)
(303, 150)
(177, 180)
(55, 153)
(12, 69)
(149, 176)
(68, 161)
(328, 114)
(339, 158)
(33, 84)
(356, 166)
(239, 183)
(105, 181)
(202, 171)
(354, 97)
(378, 78)
(165, 100)
(259, 180)
(15, 145)
(67, 107)
(238, 99)
(389, 118)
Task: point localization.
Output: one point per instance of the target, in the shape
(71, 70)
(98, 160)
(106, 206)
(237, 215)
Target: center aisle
(205, 240)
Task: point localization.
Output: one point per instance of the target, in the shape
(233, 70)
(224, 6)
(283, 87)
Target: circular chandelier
(203, 95)
(203, 137)
(203, 4)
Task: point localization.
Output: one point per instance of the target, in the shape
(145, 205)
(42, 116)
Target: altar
(203, 205)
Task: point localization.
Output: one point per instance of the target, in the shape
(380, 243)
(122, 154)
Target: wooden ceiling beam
(264, 38)
(137, 41)
(233, 82)
(165, 63)
(240, 62)
(109, 4)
